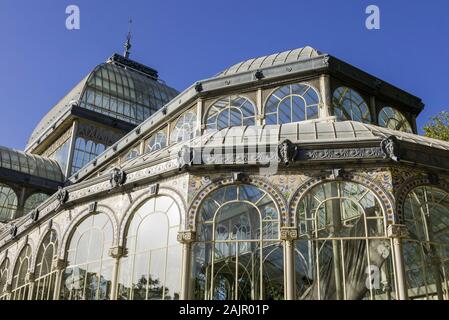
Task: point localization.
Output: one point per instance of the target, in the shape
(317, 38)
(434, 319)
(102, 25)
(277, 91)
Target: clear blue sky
(40, 60)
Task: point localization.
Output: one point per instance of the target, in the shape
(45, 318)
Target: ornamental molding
(117, 178)
(34, 215)
(62, 196)
(186, 237)
(287, 152)
(288, 234)
(341, 154)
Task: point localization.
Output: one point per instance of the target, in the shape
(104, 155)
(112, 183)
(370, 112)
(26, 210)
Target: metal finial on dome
(128, 45)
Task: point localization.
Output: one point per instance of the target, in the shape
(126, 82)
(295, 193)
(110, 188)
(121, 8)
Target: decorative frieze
(341, 154)
(289, 234)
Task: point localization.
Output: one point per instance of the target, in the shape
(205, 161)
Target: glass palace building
(291, 176)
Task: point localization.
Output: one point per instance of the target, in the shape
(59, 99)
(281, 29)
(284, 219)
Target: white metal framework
(157, 141)
(393, 119)
(232, 111)
(349, 105)
(8, 203)
(185, 128)
(20, 283)
(44, 284)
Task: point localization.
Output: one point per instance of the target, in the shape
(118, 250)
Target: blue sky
(40, 60)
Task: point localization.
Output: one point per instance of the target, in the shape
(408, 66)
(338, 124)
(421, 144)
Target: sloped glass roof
(116, 90)
(272, 60)
(30, 164)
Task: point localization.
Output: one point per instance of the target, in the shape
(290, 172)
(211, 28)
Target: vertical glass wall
(4, 269)
(152, 267)
(343, 252)
(34, 201)
(8, 203)
(238, 255)
(61, 155)
(426, 214)
(84, 152)
(89, 272)
(44, 283)
(20, 284)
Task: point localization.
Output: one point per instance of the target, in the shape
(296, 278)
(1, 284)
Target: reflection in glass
(89, 272)
(349, 105)
(152, 267)
(157, 141)
(8, 203)
(34, 201)
(393, 119)
(426, 251)
(238, 255)
(85, 151)
(292, 103)
(45, 276)
(185, 128)
(343, 245)
(228, 112)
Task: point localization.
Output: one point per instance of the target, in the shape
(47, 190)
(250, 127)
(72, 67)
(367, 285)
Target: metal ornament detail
(62, 196)
(186, 236)
(92, 207)
(34, 215)
(198, 87)
(118, 178)
(258, 75)
(289, 234)
(390, 148)
(13, 231)
(185, 157)
(287, 152)
(154, 189)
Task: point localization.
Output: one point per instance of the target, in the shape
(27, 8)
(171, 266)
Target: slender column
(260, 110)
(30, 280)
(68, 170)
(397, 233)
(372, 106)
(288, 236)
(326, 96)
(58, 267)
(116, 253)
(8, 290)
(199, 116)
(186, 238)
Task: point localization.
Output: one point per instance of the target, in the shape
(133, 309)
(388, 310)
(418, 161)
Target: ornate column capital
(117, 252)
(397, 231)
(289, 234)
(186, 237)
(58, 264)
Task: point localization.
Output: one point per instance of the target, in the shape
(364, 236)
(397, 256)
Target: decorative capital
(117, 252)
(62, 195)
(118, 178)
(185, 157)
(238, 177)
(186, 236)
(13, 231)
(289, 234)
(390, 148)
(58, 264)
(198, 87)
(258, 75)
(34, 215)
(154, 189)
(337, 173)
(287, 152)
(397, 231)
(92, 207)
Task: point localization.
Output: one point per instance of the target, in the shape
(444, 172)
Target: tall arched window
(185, 128)
(343, 244)
(20, 282)
(89, 272)
(8, 203)
(426, 251)
(4, 269)
(393, 119)
(152, 268)
(157, 141)
(84, 152)
(34, 201)
(232, 111)
(292, 103)
(238, 255)
(349, 105)
(45, 277)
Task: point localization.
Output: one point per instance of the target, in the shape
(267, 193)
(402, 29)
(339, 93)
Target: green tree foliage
(438, 127)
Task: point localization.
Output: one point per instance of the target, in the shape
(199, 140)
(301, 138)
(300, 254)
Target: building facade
(291, 176)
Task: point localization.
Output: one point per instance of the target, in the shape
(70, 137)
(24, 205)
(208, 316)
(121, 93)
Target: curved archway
(45, 276)
(88, 273)
(237, 233)
(8, 203)
(232, 111)
(20, 282)
(349, 105)
(4, 272)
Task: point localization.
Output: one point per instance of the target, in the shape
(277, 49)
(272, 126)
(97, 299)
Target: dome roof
(272, 60)
(122, 89)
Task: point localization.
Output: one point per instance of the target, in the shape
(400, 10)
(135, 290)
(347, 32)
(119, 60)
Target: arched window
(393, 119)
(45, 277)
(349, 105)
(343, 244)
(4, 269)
(89, 272)
(132, 154)
(238, 254)
(292, 103)
(20, 282)
(8, 203)
(426, 252)
(157, 141)
(84, 152)
(233, 111)
(185, 128)
(152, 268)
(34, 201)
